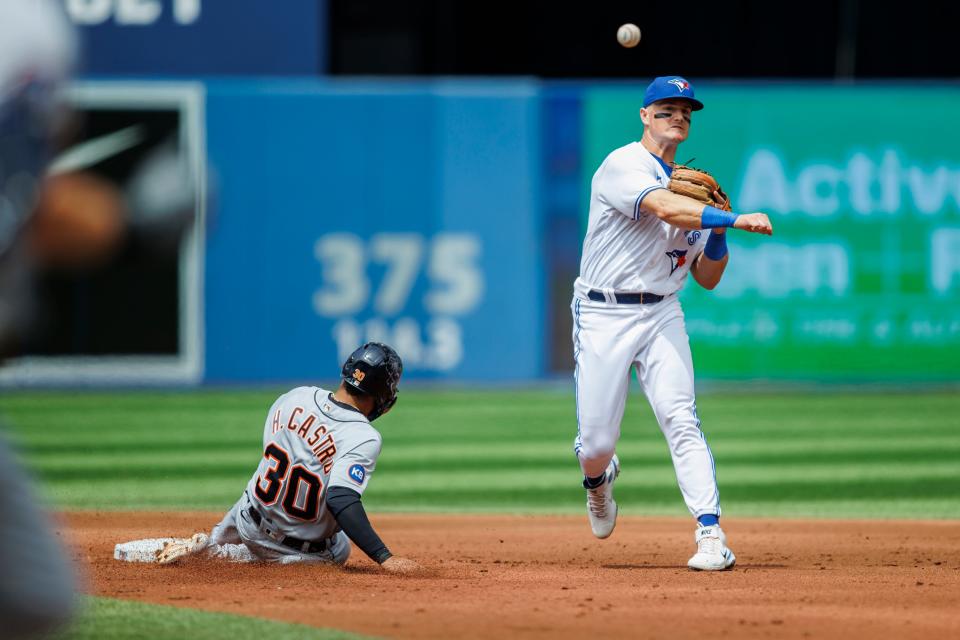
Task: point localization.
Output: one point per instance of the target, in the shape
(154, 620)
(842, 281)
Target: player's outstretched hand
(180, 548)
(395, 564)
(754, 223)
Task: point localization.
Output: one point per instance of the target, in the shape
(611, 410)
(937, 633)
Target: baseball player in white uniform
(319, 450)
(641, 242)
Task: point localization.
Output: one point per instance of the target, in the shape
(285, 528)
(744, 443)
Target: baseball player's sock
(593, 483)
(708, 520)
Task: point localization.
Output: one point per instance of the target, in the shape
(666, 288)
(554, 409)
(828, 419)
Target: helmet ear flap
(382, 408)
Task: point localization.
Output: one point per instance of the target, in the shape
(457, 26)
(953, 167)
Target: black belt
(625, 298)
(303, 546)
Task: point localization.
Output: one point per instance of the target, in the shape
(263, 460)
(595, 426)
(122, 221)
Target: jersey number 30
(301, 507)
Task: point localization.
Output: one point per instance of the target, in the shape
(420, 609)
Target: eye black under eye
(668, 114)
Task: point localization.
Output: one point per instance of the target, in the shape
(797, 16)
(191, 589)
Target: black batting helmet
(374, 369)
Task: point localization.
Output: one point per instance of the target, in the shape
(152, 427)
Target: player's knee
(681, 427)
(683, 442)
(597, 446)
(341, 549)
(677, 416)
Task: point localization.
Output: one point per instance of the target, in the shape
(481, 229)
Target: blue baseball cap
(666, 87)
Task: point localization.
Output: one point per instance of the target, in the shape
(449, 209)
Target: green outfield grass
(110, 619)
(803, 454)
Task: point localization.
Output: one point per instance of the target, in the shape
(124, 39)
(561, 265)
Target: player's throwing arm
(682, 209)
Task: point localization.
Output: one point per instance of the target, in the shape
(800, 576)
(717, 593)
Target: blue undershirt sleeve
(711, 218)
(716, 246)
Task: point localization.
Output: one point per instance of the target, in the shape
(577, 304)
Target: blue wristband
(713, 218)
(716, 246)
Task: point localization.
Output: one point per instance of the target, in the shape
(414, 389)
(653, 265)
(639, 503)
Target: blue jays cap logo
(671, 87)
(357, 473)
(678, 258)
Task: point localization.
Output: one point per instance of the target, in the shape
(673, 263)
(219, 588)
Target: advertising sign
(201, 37)
(350, 212)
(861, 279)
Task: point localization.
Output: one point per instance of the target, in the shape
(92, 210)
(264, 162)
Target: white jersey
(311, 443)
(627, 249)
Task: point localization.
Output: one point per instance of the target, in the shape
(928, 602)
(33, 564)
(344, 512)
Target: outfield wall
(861, 280)
(190, 38)
(407, 213)
(446, 217)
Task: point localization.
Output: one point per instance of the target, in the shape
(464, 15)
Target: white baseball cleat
(182, 547)
(712, 551)
(601, 507)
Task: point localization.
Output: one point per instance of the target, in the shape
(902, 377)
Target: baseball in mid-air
(628, 35)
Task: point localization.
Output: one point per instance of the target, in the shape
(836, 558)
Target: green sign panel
(861, 279)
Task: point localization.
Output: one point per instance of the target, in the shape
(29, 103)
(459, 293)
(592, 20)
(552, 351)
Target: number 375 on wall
(449, 261)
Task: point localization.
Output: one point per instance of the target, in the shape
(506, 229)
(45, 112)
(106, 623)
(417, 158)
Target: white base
(140, 550)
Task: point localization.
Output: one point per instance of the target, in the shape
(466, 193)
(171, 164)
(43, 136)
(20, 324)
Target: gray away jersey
(310, 444)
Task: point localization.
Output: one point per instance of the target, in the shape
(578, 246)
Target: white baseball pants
(607, 339)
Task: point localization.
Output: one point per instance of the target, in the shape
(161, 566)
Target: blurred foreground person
(67, 221)
(36, 52)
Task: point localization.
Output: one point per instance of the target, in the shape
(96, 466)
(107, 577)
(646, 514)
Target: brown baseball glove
(699, 185)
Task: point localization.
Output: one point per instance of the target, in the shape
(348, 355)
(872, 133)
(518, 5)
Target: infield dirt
(547, 577)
